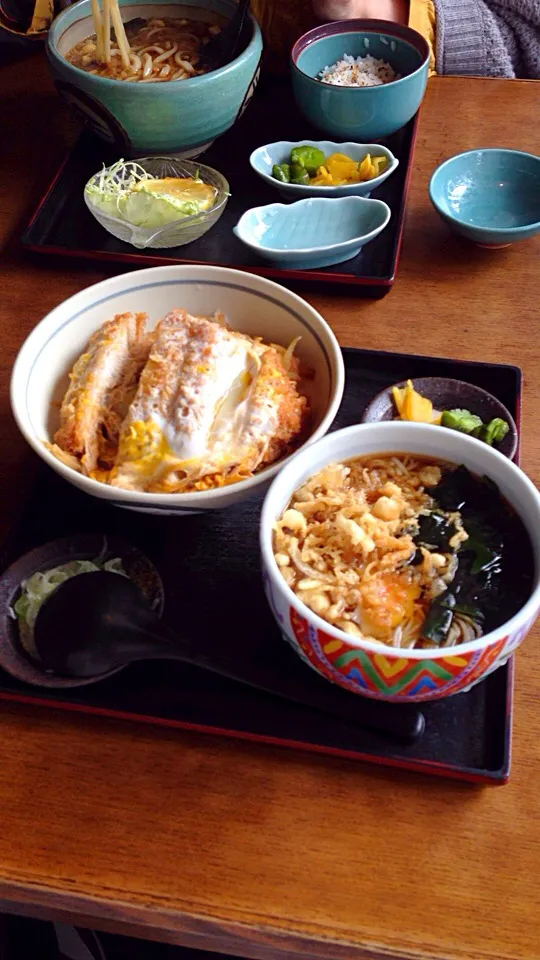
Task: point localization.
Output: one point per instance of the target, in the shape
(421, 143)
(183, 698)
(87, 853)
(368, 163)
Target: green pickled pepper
(282, 172)
(310, 158)
(299, 174)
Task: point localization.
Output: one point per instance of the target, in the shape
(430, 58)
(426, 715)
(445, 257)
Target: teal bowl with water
(360, 113)
(490, 196)
(178, 118)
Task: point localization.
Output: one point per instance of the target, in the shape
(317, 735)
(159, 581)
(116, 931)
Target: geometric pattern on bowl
(397, 678)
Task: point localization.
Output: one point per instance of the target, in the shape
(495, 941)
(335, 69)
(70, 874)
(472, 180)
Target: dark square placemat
(210, 568)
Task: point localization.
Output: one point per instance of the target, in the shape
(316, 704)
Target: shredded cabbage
(289, 353)
(115, 183)
(37, 588)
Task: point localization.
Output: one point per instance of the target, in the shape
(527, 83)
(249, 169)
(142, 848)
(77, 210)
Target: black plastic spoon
(96, 622)
(222, 48)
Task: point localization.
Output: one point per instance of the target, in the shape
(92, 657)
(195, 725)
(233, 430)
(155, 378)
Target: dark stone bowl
(13, 657)
(447, 394)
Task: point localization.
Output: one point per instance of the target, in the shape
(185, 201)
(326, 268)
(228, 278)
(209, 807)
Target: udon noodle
(147, 51)
(404, 551)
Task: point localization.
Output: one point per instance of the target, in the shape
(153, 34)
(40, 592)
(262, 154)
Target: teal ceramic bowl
(180, 118)
(311, 233)
(360, 113)
(491, 196)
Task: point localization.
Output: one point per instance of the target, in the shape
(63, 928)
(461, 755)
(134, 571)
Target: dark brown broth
(485, 508)
(182, 39)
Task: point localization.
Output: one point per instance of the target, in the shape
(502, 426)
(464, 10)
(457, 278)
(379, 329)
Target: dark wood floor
(24, 939)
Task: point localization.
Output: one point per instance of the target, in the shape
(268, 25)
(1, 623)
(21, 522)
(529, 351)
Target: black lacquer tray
(210, 567)
(63, 226)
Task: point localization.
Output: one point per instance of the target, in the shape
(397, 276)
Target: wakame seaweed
(459, 489)
(435, 530)
(495, 564)
(439, 618)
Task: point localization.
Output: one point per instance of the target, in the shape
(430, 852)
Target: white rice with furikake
(358, 72)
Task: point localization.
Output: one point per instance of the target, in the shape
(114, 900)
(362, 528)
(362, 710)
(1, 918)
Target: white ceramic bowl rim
(55, 33)
(478, 226)
(266, 529)
(393, 163)
(342, 245)
(76, 305)
(221, 199)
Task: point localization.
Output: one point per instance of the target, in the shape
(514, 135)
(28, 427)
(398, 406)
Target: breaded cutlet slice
(274, 384)
(212, 405)
(103, 383)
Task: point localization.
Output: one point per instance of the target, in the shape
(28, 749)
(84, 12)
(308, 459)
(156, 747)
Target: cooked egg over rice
(189, 406)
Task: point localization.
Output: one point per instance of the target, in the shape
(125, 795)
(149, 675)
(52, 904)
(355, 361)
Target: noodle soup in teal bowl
(156, 115)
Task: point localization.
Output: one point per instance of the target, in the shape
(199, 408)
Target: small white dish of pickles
(157, 202)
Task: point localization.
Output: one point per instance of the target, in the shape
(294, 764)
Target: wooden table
(263, 852)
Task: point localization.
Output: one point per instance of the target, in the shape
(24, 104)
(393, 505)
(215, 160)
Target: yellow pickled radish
(398, 394)
(412, 406)
(341, 167)
(365, 168)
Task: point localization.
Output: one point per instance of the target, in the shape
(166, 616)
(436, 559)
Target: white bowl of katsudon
(176, 389)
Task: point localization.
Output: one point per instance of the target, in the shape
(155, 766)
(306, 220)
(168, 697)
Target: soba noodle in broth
(150, 51)
(405, 551)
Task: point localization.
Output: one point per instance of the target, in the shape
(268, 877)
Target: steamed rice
(358, 72)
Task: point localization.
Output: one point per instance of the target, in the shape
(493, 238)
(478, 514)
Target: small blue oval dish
(316, 232)
(490, 196)
(263, 159)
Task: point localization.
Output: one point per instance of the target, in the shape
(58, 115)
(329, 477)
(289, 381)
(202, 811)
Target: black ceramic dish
(447, 394)
(13, 657)
(213, 561)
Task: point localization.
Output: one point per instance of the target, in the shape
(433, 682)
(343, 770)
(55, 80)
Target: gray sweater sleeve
(493, 38)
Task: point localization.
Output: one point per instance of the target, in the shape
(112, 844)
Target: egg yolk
(387, 601)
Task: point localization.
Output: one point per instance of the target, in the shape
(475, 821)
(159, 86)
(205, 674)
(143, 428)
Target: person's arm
(418, 14)
(396, 10)
(494, 38)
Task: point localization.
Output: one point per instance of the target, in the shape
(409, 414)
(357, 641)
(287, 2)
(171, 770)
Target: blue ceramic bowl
(180, 118)
(315, 232)
(489, 196)
(360, 113)
(263, 159)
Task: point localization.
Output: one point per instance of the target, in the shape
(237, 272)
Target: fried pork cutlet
(212, 406)
(103, 383)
